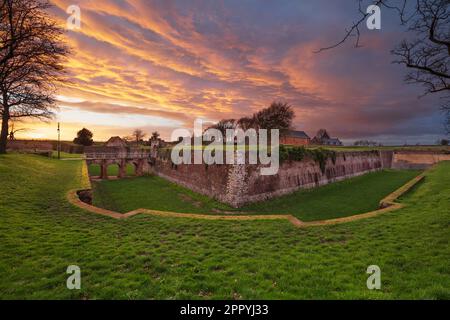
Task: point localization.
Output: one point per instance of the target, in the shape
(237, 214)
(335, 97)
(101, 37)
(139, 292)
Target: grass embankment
(152, 192)
(113, 170)
(353, 196)
(349, 197)
(148, 257)
(66, 155)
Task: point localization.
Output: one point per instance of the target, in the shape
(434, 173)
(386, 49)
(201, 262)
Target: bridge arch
(120, 158)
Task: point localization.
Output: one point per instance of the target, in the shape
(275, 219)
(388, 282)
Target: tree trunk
(4, 133)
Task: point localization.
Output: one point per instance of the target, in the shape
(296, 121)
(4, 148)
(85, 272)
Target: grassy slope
(151, 192)
(152, 257)
(66, 155)
(354, 196)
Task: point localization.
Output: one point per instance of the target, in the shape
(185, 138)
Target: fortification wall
(305, 174)
(417, 159)
(238, 185)
(208, 180)
(29, 145)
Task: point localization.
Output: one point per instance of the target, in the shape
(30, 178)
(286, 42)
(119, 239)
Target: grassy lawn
(149, 257)
(353, 196)
(65, 155)
(113, 170)
(152, 192)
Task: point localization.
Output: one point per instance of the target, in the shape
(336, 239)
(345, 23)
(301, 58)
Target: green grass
(353, 196)
(349, 197)
(152, 192)
(65, 155)
(148, 257)
(113, 170)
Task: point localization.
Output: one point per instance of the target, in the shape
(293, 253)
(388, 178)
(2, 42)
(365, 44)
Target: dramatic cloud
(158, 65)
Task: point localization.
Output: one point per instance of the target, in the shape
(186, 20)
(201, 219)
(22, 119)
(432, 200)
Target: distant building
(323, 138)
(295, 138)
(116, 142)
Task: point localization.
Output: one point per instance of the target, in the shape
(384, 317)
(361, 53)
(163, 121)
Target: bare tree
(224, 125)
(138, 135)
(427, 55)
(31, 61)
(246, 123)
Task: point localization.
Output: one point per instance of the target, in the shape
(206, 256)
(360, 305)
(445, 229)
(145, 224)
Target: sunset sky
(159, 65)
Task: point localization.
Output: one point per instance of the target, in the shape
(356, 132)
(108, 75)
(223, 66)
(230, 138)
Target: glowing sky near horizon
(158, 65)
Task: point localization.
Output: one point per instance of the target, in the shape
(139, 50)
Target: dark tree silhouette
(427, 54)
(84, 138)
(246, 123)
(278, 116)
(224, 125)
(155, 136)
(31, 61)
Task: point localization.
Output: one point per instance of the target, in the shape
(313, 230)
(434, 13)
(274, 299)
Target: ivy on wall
(320, 155)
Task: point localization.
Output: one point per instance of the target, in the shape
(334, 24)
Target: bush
(320, 156)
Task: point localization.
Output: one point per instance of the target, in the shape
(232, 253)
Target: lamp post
(59, 141)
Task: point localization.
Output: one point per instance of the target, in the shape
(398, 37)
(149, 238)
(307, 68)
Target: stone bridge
(106, 156)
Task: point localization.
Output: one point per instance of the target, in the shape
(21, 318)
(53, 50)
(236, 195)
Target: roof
(322, 134)
(114, 141)
(297, 134)
(331, 141)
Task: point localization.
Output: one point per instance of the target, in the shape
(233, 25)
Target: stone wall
(295, 175)
(208, 180)
(238, 185)
(417, 159)
(68, 147)
(29, 145)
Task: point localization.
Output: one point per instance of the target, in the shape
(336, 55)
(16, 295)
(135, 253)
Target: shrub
(320, 156)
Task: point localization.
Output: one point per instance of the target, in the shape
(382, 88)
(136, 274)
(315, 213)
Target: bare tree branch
(32, 53)
(428, 55)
